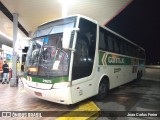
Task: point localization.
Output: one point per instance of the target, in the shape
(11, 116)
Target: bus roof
(94, 21)
(77, 15)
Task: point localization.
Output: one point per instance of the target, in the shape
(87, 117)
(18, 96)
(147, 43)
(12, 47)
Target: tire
(139, 75)
(103, 90)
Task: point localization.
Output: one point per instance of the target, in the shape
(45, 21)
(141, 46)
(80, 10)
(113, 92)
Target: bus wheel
(139, 76)
(103, 90)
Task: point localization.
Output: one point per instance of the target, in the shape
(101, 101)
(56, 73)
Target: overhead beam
(7, 13)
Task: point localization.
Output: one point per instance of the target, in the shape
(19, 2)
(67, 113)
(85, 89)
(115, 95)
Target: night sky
(140, 23)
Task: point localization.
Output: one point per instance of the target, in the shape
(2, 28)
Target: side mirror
(67, 36)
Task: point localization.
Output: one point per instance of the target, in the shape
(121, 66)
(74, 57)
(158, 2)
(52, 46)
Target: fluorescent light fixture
(65, 4)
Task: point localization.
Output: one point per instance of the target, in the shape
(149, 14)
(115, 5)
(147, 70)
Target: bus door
(83, 60)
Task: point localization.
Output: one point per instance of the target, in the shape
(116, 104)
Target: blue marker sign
(45, 40)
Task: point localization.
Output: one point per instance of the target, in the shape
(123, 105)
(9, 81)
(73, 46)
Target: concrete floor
(16, 99)
(143, 95)
(138, 96)
(152, 73)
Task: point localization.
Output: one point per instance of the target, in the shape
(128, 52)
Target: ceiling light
(65, 4)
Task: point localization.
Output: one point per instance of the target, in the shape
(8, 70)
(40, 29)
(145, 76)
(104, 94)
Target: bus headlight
(33, 69)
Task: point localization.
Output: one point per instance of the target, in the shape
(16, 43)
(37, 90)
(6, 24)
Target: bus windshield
(46, 58)
(55, 27)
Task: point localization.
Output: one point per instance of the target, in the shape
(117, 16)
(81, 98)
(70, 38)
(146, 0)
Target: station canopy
(32, 13)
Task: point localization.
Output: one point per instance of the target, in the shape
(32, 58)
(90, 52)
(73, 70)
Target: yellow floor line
(86, 111)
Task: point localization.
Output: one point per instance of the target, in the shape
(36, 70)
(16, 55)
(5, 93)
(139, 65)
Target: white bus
(74, 58)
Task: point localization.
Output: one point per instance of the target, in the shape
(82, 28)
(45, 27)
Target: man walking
(5, 72)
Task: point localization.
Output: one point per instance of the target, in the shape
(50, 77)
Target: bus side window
(103, 45)
(129, 49)
(116, 45)
(125, 48)
(110, 44)
(122, 48)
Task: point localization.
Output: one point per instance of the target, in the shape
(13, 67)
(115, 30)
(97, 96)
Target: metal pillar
(30, 34)
(14, 80)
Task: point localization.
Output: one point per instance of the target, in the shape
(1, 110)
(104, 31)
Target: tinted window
(122, 47)
(102, 40)
(116, 45)
(110, 43)
(113, 43)
(85, 50)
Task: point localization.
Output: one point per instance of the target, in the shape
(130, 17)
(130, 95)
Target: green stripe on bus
(100, 57)
(50, 81)
(113, 59)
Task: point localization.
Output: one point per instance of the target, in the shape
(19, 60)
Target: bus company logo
(47, 81)
(116, 60)
(104, 59)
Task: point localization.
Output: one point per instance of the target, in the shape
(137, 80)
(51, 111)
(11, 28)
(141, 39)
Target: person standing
(5, 72)
(22, 67)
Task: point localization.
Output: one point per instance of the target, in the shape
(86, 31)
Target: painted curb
(86, 111)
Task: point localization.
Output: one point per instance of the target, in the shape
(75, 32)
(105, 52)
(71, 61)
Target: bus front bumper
(57, 95)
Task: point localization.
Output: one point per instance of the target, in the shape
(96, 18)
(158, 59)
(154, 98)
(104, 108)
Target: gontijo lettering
(115, 60)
